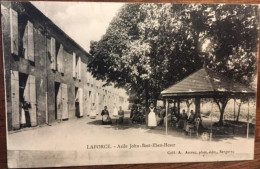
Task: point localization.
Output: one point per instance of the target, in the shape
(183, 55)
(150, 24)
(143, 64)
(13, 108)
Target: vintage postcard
(94, 83)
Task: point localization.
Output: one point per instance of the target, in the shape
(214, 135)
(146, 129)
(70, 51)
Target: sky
(82, 21)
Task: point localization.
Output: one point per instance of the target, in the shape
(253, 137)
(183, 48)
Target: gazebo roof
(207, 83)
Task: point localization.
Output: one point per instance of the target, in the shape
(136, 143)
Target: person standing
(22, 120)
(105, 116)
(120, 115)
(115, 113)
(152, 117)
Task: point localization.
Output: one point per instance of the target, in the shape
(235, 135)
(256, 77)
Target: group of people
(186, 122)
(156, 115)
(118, 115)
(137, 114)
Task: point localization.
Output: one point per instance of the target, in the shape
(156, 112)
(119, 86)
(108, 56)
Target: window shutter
(74, 65)
(32, 110)
(80, 102)
(15, 99)
(59, 104)
(77, 96)
(93, 99)
(79, 68)
(97, 102)
(26, 93)
(14, 31)
(85, 98)
(53, 54)
(28, 42)
(64, 95)
(60, 59)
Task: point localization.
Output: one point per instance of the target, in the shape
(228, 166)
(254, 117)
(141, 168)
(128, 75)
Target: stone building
(46, 77)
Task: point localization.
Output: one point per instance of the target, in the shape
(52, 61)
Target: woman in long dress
(105, 116)
(152, 122)
(93, 113)
(23, 120)
(120, 115)
(115, 113)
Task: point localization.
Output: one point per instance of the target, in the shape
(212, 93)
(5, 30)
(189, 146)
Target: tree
(148, 47)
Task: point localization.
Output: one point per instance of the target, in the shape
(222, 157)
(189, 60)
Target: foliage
(148, 47)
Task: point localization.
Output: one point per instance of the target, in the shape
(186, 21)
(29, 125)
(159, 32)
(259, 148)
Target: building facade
(46, 77)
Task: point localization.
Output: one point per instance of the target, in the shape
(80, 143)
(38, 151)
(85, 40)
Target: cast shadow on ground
(228, 131)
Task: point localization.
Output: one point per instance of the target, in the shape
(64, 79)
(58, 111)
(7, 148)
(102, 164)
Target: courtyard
(84, 141)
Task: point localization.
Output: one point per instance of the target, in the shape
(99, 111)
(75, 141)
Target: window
(28, 42)
(14, 31)
(76, 67)
(56, 51)
(59, 55)
(53, 53)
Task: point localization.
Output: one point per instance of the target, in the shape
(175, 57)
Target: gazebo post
(210, 136)
(247, 131)
(234, 114)
(166, 125)
(197, 106)
(234, 109)
(178, 104)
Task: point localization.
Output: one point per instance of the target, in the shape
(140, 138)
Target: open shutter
(79, 68)
(60, 59)
(32, 110)
(74, 65)
(59, 104)
(26, 93)
(25, 42)
(97, 103)
(15, 99)
(85, 99)
(64, 95)
(81, 109)
(14, 31)
(53, 54)
(28, 42)
(89, 100)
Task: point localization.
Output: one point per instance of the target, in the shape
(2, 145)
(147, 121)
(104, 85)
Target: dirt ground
(72, 142)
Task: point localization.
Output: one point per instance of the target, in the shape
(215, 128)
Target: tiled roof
(206, 82)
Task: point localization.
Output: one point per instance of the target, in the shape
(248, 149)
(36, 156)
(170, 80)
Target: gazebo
(205, 83)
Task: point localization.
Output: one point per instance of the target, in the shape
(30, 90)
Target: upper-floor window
(76, 66)
(56, 51)
(28, 42)
(13, 16)
(59, 57)
(21, 34)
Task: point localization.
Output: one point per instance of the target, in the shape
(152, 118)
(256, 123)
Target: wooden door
(59, 103)
(85, 99)
(65, 106)
(32, 109)
(15, 99)
(81, 109)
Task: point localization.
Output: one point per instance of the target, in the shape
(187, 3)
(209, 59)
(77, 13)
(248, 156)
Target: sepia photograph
(108, 83)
